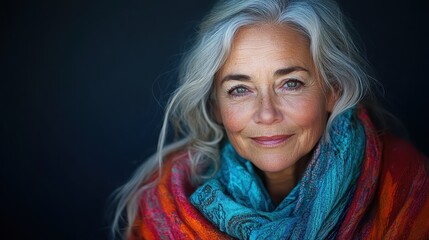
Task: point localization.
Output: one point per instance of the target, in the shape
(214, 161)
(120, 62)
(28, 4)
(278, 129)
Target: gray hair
(335, 55)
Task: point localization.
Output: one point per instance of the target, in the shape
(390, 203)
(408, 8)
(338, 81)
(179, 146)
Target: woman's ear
(216, 112)
(214, 106)
(332, 97)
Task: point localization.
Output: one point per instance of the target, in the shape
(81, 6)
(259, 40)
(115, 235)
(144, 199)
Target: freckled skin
(267, 108)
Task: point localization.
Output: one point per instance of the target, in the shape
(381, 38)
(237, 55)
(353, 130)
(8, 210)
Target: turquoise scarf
(236, 201)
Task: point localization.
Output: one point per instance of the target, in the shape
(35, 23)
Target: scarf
(236, 201)
(389, 200)
(166, 213)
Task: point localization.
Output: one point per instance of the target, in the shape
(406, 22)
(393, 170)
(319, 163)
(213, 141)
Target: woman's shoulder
(402, 199)
(404, 171)
(175, 169)
(164, 210)
(400, 152)
(393, 201)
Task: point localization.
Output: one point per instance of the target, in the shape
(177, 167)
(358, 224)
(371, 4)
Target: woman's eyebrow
(285, 71)
(236, 77)
(279, 72)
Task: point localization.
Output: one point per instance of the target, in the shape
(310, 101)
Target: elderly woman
(281, 138)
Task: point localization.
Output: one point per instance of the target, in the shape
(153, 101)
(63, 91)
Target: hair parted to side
(189, 111)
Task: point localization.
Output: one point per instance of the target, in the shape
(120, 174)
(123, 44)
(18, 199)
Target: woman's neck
(280, 184)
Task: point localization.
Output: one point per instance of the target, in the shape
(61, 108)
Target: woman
(280, 137)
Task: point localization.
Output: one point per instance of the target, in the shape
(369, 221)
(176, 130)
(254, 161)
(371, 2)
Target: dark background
(82, 89)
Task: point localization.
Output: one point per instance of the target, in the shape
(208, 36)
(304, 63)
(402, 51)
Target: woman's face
(270, 98)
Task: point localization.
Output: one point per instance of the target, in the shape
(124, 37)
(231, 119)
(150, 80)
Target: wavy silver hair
(189, 110)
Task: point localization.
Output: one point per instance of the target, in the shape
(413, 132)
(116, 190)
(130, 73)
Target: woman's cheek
(235, 116)
(307, 112)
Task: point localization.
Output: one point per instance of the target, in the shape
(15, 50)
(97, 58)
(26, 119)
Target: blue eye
(238, 91)
(293, 84)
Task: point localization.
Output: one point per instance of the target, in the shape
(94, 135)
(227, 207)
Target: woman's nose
(268, 111)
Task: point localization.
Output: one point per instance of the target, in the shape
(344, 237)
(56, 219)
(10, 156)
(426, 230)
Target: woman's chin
(274, 165)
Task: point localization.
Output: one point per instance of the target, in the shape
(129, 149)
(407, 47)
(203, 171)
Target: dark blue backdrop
(82, 89)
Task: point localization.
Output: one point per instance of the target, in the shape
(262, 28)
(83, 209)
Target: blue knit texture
(237, 202)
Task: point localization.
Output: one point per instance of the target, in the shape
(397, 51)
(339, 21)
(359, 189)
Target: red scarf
(392, 196)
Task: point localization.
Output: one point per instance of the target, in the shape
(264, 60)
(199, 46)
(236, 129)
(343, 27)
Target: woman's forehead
(267, 45)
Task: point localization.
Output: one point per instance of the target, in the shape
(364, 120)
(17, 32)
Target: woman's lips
(271, 141)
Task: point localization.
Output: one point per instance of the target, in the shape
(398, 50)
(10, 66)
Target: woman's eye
(238, 91)
(292, 84)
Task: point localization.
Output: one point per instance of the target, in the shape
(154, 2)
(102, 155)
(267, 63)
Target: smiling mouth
(271, 141)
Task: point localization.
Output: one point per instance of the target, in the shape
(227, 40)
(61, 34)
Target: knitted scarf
(342, 195)
(236, 201)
